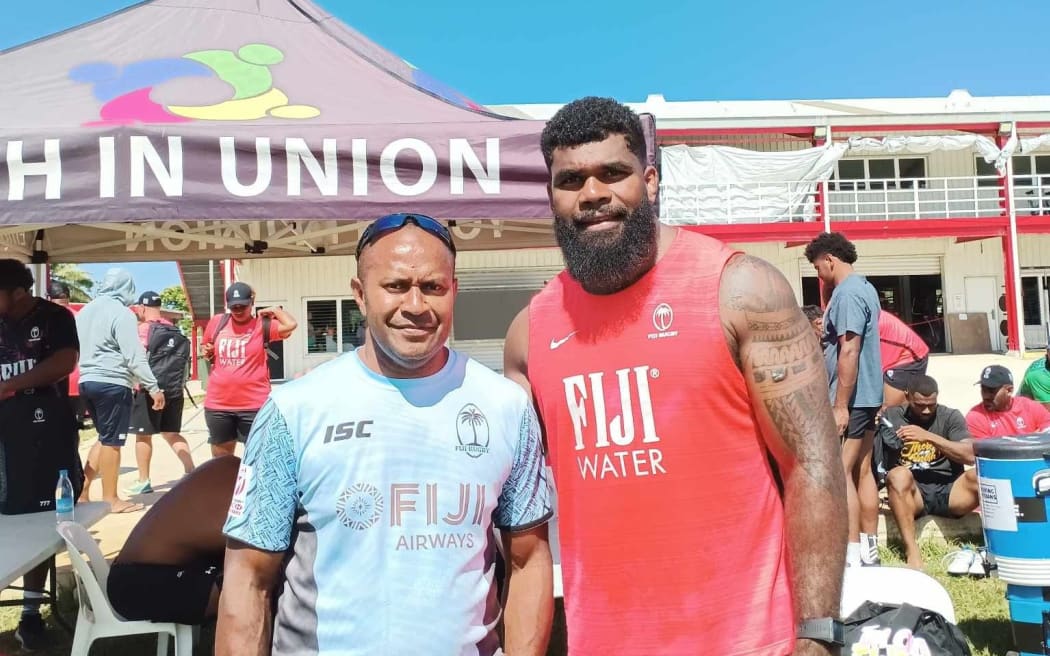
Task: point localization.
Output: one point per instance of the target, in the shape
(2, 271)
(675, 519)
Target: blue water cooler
(1014, 482)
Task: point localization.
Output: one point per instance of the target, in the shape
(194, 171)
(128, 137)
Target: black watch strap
(822, 629)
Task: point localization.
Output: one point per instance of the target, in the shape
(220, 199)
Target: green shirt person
(1036, 382)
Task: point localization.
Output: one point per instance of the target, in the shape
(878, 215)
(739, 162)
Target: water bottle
(64, 498)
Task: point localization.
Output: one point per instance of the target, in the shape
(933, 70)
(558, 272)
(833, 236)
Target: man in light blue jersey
(370, 488)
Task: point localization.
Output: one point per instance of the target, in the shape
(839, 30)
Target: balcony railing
(914, 198)
(851, 200)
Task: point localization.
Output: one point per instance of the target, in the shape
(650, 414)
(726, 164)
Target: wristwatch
(822, 629)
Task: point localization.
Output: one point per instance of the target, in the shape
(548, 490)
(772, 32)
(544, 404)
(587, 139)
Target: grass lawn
(980, 607)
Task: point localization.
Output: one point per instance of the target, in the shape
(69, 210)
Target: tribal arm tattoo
(781, 360)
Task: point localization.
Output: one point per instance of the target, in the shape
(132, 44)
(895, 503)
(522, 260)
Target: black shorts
(861, 421)
(935, 498)
(147, 421)
(228, 425)
(163, 593)
(901, 376)
(110, 408)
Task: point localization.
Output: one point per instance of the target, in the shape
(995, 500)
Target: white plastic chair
(96, 618)
(894, 585)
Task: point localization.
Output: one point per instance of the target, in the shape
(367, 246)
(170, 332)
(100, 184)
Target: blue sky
(553, 51)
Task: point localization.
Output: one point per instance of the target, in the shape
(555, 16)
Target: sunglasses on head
(392, 222)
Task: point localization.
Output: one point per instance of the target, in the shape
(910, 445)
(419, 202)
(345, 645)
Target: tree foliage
(174, 298)
(79, 281)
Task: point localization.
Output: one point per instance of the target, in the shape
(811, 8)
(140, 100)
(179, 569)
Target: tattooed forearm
(781, 359)
(797, 416)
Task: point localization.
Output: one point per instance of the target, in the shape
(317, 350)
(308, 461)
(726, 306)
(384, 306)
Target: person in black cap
(239, 380)
(1000, 413)
(168, 352)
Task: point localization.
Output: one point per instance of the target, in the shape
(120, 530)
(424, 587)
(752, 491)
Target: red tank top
(670, 523)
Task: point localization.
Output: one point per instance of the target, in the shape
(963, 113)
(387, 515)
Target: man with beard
(667, 368)
(927, 448)
(1000, 413)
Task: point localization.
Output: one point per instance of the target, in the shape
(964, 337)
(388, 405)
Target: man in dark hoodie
(111, 360)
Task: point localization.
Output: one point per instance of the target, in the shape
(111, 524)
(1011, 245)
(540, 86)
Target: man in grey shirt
(111, 359)
(854, 366)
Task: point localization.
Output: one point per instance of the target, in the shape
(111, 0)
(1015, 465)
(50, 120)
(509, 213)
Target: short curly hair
(588, 120)
(15, 275)
(812, 312)
(832, 243)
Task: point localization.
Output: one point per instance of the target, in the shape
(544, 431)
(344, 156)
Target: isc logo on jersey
(600, 429)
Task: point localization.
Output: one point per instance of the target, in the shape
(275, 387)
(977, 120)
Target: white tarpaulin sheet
(923, 144)
(719, 184)
(1031, 144)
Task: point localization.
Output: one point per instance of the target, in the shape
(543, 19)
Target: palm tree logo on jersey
(472, 431)
(663, 317)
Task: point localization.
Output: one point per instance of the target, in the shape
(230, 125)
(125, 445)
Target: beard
(608, 261)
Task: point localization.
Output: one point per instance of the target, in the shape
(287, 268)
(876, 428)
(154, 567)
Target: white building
(908, 180)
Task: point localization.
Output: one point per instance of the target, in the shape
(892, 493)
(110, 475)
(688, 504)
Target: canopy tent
(201, 129)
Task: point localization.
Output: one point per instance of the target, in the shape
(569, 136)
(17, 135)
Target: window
(1031, 181)
(879, 174)
(333, 325)
(986, 173)
(1030, 301)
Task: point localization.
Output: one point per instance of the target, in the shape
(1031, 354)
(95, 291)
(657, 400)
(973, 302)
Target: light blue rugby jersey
(386, 491)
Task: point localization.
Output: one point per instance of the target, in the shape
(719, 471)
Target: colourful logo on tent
(125, 91)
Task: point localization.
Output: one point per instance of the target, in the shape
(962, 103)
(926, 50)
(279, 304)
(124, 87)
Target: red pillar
(1014, 320)
(1013, 313)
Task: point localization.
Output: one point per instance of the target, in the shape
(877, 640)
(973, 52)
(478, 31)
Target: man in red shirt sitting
(1000, 413)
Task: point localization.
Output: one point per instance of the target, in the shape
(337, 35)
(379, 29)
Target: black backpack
(168, 352)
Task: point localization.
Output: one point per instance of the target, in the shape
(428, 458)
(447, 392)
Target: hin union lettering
(156, 166)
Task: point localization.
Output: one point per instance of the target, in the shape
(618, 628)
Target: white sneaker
(869, 552)
(966, 562)
(980, 566)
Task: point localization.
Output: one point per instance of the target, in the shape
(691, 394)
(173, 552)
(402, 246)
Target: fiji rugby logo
(34, 334)
(663, 317)
(38, 416)
(359, 507)
(472, 431)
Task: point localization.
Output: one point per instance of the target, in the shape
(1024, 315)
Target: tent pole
(211, 288)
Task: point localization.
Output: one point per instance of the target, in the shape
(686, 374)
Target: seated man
(926, 447)
(1036, 382)
(999, 413)
(170, 568)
